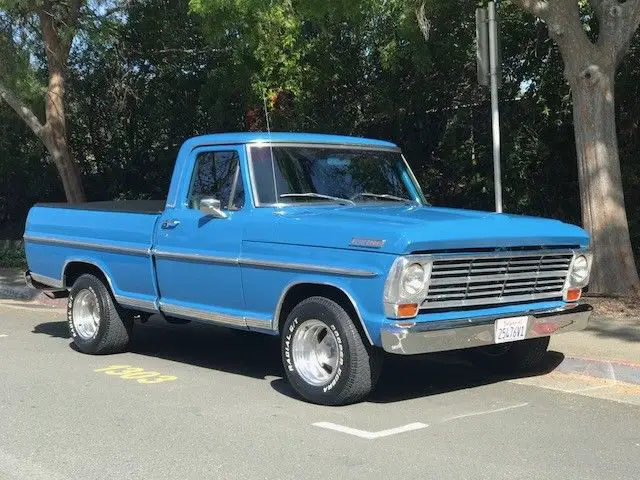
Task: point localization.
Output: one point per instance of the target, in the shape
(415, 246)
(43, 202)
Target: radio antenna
(273, 162)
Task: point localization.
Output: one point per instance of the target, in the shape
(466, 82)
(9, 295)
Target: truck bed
(116, 237)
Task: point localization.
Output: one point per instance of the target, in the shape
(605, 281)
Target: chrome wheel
(315, 352)
(85, 314)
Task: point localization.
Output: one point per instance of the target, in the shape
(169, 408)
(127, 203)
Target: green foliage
(143, 80)
(12, 258)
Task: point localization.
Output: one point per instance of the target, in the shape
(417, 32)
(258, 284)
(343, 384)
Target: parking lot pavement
(219, 409)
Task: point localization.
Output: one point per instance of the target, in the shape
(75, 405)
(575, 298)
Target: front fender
(269, 271)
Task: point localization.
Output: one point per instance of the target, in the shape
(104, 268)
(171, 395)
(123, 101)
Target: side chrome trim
(276, 316)
(43, 279)
(258, 323)
(89, 245)
(404, 337)
(136, 303)
(306, 267)
(197, 314)
(195, 257)
(248, 262)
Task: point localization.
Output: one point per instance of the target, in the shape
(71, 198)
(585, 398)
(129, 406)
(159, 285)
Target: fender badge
(367, 243)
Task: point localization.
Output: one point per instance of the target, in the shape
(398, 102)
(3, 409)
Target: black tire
(521, 356)
(358, 366)
(115, 324)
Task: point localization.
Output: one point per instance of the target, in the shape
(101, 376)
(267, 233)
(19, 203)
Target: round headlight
(413, 279)
(580, 269)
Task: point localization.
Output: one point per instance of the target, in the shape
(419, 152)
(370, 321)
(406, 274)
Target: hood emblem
(367, 242)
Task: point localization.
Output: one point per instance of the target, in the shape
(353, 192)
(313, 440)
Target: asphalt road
(222, 411)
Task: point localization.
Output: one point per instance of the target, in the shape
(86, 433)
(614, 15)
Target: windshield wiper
(384, 196)
(344, 201)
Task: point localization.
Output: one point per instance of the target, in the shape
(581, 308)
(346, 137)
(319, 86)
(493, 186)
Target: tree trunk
(55, 138)
(602, 198)
(68, 171)
(54, 134)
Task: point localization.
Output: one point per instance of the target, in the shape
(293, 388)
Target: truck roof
(285, 137)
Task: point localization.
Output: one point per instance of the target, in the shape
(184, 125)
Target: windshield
(348, 176)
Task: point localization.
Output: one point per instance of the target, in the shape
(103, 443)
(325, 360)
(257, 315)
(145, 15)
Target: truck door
(196, 253)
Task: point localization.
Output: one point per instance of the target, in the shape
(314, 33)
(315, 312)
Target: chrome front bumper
(402, 338)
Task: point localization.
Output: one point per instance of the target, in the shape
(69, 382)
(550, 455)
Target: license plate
(510, 329)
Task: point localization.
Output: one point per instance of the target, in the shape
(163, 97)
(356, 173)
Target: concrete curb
(614, 371)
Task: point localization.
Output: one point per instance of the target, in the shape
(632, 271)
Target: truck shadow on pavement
(258, 356)
(406, 378)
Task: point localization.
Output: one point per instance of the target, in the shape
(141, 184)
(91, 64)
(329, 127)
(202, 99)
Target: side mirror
(211, 206)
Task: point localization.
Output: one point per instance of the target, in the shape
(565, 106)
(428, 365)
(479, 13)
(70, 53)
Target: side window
(217, 175)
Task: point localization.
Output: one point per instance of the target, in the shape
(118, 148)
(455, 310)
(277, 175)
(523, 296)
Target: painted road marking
(485, 412)
(127, 372)
(370, 435)
(406, 428)
(3, 335)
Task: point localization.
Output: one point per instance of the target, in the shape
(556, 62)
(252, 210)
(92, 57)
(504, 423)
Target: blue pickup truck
(326, 241)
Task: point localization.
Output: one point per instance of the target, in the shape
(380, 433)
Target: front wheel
(511, 357)
(325, 358)
(97, 324)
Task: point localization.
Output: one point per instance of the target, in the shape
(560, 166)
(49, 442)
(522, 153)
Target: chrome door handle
(169, 224)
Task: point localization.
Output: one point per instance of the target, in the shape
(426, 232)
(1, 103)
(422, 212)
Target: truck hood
(405, 229)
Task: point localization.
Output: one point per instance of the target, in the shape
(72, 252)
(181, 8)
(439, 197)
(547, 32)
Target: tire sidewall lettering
(72, 328)
(288, 358)
(287, 354)
(338, 375)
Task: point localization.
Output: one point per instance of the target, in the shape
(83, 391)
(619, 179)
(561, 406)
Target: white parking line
(2, 335)
(486, 412)
(370, 435)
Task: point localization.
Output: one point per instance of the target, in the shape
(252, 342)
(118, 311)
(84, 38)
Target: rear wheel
(511, 357)
(325, 358)
(96, 323)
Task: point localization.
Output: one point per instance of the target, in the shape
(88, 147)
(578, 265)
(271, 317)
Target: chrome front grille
(493, 279)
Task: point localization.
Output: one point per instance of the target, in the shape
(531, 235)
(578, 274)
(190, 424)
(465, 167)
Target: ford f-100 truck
(326, 241)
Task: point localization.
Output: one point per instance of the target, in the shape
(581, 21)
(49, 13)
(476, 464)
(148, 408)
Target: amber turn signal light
(408, 311)
(573, 295)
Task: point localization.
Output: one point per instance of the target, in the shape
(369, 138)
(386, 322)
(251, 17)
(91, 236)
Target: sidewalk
(614, 339)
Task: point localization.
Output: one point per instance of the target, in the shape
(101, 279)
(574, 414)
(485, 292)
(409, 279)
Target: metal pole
(495, 113)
